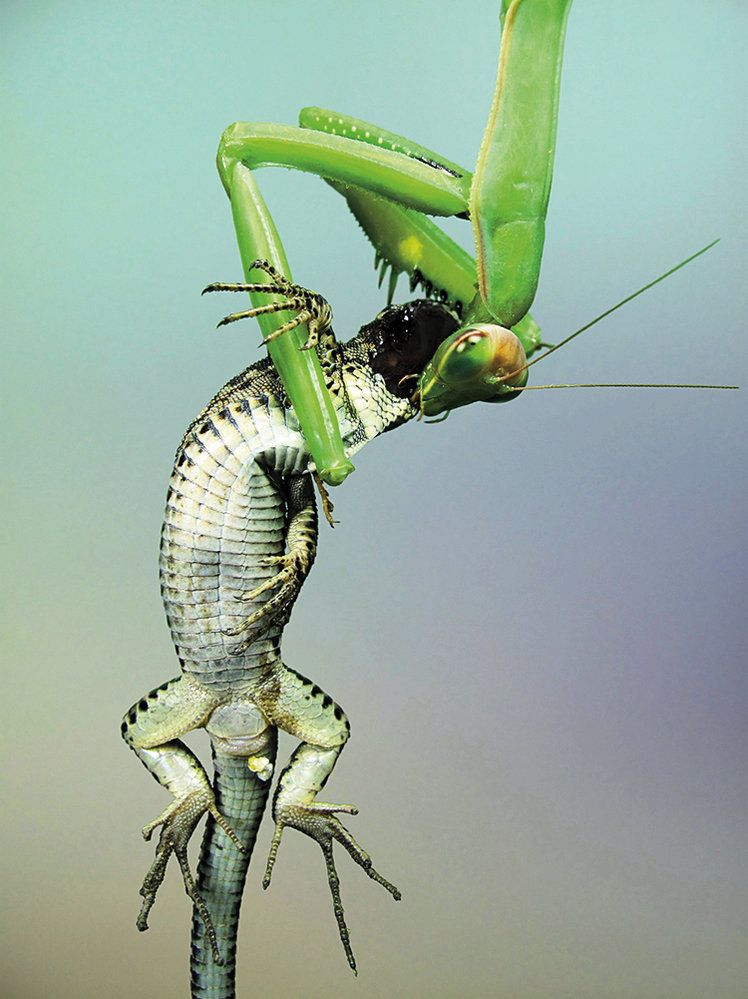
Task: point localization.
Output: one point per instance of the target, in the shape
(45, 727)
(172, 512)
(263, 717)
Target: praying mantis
(392, 185)
(481, 352)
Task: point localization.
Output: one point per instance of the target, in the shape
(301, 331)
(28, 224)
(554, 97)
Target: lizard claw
(287, 582)
(281, 578)
(178, 821)
(318, 820)
(327, 504)
(310, 308)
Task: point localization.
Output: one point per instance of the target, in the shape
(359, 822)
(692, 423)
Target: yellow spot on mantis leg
(411, 249)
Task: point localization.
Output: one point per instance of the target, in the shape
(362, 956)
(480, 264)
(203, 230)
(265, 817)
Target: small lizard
(238, 540)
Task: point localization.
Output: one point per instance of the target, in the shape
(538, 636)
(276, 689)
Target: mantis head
(483, 362)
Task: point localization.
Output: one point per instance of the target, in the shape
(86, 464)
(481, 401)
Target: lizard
(239, 538)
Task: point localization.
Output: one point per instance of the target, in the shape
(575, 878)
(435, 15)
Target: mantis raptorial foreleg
(300, 370)
(380, 170)
(245, 145)
(407, 240)
(512, 182)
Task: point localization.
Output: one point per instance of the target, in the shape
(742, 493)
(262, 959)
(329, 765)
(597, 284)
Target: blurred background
(534, 614)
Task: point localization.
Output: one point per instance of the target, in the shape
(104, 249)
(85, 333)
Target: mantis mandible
(473, 344)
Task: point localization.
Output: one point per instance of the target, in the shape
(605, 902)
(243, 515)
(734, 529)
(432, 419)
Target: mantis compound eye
(480, 363)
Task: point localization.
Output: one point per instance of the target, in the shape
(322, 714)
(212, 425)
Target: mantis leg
(413, 182)
(508, 194)
(404, 238)
(299, 369)
(512, 181)
(509, 191)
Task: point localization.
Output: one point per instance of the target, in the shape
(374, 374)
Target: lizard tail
(222, 870)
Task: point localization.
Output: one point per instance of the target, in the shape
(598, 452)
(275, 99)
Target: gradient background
(533, 614)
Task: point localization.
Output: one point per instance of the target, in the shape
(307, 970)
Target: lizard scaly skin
(239, 538)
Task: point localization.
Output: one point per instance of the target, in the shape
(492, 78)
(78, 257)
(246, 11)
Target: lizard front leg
(299, 707)
(310, 307)
(150, 728)
(283, 588)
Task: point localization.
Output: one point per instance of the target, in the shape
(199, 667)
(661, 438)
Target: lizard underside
(238, 540)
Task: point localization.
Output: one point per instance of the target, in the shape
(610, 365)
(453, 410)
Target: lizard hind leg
(299, 707)
(150, 728)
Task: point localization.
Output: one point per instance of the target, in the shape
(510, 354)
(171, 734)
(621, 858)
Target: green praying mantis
(392, 185)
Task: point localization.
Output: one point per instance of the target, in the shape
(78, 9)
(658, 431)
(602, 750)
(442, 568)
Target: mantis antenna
(534, 388)
(504, 383)
(612, 309)
(573, 385)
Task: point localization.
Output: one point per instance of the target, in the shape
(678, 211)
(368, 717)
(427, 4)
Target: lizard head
(402, 339)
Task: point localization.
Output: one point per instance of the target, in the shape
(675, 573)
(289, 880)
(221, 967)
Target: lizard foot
(318, 820)
(294, 567)
(178, 821)
(327, 504)
(310, 307)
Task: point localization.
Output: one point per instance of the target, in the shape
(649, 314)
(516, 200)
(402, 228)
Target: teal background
(533, 614)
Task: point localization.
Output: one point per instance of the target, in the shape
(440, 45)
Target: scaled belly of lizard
(239, 538)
